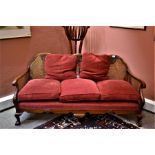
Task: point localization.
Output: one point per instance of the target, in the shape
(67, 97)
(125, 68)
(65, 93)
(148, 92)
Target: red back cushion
(79, 90)
(94, 67)
(60, 66)
(117, 90)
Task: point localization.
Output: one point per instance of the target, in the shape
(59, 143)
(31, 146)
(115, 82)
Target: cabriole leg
(17, 115)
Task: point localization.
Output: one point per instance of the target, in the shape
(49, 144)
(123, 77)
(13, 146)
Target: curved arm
(137, 83)
(142, 98)
(19, 83)
(21, 80)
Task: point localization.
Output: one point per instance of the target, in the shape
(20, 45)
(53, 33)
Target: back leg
(139, 120)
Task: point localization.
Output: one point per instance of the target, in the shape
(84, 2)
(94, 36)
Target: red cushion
(60, 66)
(40, 89)
(79, 90)
(94, 67)
(117, 90)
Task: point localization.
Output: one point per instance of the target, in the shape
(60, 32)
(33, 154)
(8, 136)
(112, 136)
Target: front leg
(17, 115)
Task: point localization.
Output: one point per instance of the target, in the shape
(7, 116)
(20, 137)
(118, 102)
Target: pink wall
(136, 47)
(16, 53)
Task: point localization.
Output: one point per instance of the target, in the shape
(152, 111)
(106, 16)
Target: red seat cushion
(79, 90)
(40, 89)
(94, 67)
(117, 90)
(60, 66)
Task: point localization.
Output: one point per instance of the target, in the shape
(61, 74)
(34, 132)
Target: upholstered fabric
(60, 66)
(117, 90)
(94, 67)
(79, 90)
(40, 89)
(93, 106)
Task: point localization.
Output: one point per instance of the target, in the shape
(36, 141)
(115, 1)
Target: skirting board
(4, 105)
(9, 97)
(149, 104)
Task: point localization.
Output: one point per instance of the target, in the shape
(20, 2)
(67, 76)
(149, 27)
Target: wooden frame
(7, 32)
(131, 27)
(21, 80)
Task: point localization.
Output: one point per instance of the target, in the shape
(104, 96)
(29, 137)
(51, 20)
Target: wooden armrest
(21, 80)
(136, 82)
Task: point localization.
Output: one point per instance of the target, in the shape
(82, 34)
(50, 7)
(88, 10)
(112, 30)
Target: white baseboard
(149, 105)
(9, 97)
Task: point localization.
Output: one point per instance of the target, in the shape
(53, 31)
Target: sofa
(79, 84)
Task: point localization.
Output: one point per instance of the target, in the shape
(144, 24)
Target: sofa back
(118, 68)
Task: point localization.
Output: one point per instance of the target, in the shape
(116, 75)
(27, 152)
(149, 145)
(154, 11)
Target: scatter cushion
(40, 89)
(94, 67)
(79, 90)
(117, 90)
(60, 66)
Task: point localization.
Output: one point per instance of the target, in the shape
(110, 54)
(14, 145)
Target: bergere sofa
(78, 84)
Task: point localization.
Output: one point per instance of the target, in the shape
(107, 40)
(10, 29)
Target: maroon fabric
(117, 90)
(74, 106)
(60, 66)
(40, 89)
(94, 67)
(79, 90)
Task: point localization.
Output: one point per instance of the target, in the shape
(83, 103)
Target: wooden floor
(29, 121)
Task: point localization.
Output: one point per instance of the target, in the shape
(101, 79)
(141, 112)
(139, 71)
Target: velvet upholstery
(40, 89)
(79, 90)
(94, 67)
(60, 66)
(77, 106)
(117, 90)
